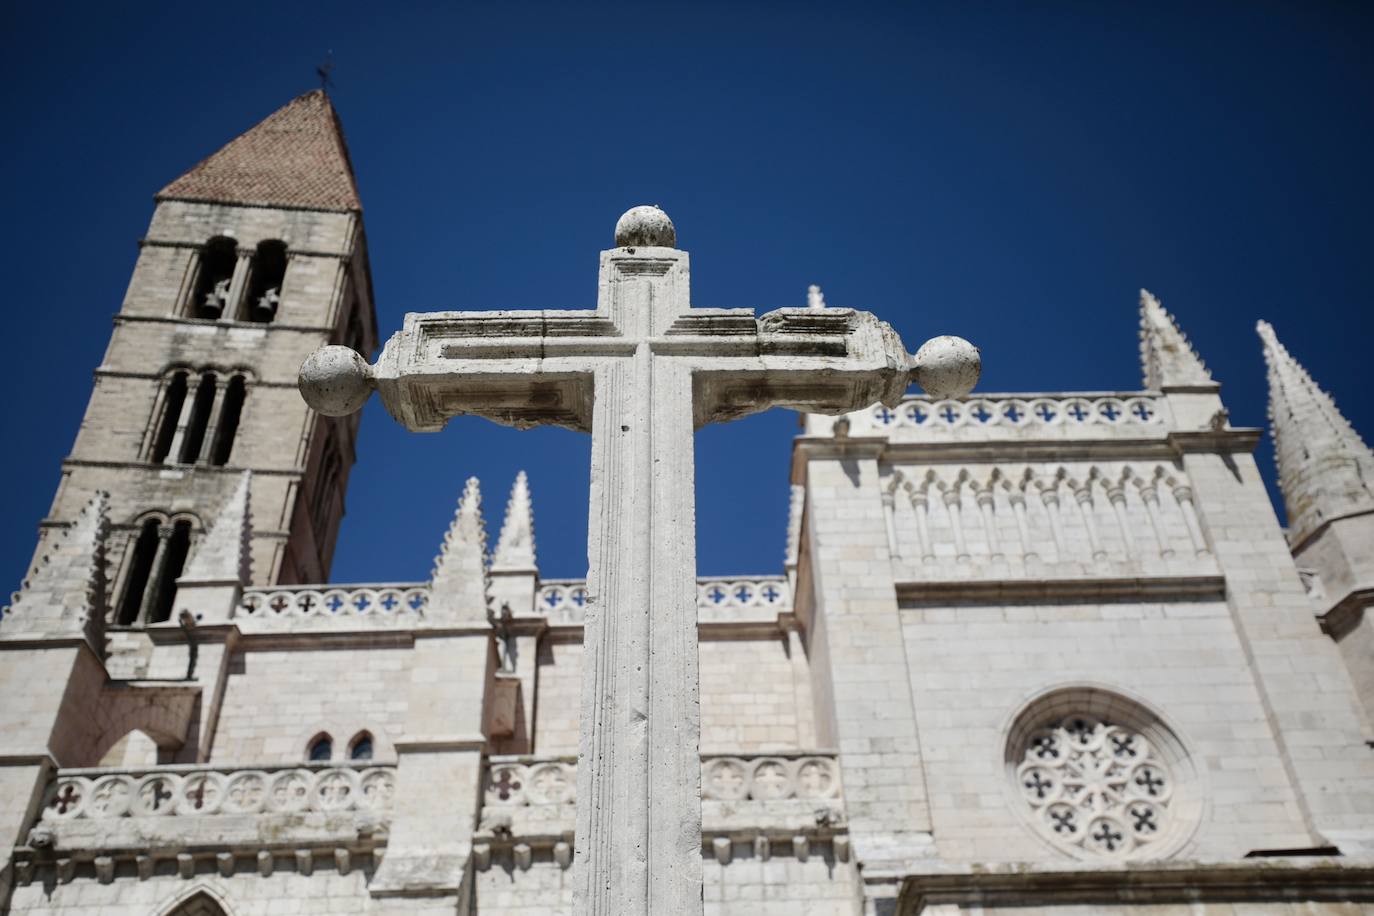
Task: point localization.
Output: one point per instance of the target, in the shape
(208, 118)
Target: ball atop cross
(647, 227)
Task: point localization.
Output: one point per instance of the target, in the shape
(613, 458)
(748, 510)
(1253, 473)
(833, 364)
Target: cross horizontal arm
(535, 367)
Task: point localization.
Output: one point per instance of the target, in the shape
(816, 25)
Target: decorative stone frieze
(562, 601)
(97, 795)
(813, 778)
(366, 605)
(1013, 417)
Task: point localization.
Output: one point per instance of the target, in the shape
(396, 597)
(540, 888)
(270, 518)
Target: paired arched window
(154, 563)
(320, 749)
(198, 418)
(237, 285)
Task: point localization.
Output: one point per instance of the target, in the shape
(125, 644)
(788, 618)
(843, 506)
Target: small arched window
(320, 749)
(269, 270)
(361, 747)
(214, 277)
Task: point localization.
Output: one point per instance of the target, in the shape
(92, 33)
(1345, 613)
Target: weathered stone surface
(645, 226)
(335, 381)
(947, 366)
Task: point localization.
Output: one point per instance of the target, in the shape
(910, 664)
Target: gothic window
(1099, 776)
(269, 270)
(320, 749)
(199, 419)
(361, 747)
(202, 904)
(155, 563)
(214, 278)
(172, 402)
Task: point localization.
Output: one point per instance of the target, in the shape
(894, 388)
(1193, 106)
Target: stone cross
(640, 373)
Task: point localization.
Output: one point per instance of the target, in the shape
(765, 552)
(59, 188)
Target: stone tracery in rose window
(1096, 785)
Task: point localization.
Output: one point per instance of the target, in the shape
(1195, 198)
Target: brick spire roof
(296, 157)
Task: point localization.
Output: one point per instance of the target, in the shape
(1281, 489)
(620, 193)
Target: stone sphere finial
(946, 366)
(647, 227)
(335, 381)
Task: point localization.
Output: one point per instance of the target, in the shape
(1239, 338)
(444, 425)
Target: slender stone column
(1184, 495)
(1084, 496)
(1150, 497)
(1018, 508)
(920, 504)
(890, 517)
(208, 441)
(1116, 495)
(243, 270)
(1050, 497)
(956, 523)
(985, 506)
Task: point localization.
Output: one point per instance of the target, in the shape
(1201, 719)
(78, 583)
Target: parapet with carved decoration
(789, 803)
(248, 817)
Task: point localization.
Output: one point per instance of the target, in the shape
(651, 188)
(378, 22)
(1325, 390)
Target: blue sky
(1009, 172)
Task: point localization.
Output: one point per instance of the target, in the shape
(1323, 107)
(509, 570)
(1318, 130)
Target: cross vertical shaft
(639, 764)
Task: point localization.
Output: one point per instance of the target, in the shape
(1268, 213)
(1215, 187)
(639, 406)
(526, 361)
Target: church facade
(1027, 653)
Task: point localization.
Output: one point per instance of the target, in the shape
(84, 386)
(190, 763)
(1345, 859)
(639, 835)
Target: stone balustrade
(563, 601)
(400, 603)
(1007, 416)
(529, 781)
(719, 599)
(99, 794)
(778, 803)
(204, 820)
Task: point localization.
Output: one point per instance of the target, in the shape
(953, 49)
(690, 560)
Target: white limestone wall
(1192, 908)
(276, 700)
(974, 667)
(748, 700)
(781, 885)
(324, 892)
(559, 695)
(749, 696)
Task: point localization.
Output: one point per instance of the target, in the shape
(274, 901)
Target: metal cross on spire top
(639, 372)
(324, 71)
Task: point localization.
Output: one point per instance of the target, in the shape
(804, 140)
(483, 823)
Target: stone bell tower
(253, 259)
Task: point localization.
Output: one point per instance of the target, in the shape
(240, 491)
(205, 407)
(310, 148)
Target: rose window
(1109, 782)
